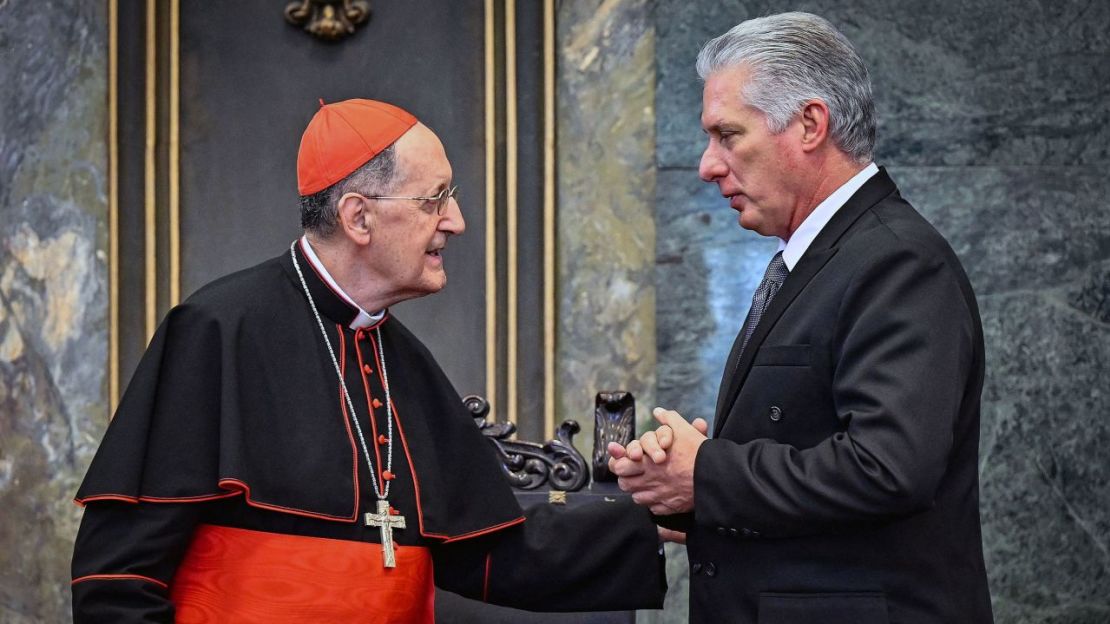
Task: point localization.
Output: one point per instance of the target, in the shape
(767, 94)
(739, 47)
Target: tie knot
(776, 270)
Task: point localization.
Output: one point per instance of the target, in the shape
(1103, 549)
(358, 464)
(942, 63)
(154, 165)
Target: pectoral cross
(386, 522)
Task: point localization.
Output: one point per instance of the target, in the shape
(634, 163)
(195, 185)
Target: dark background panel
(250, 83)
(530, 219)
(132, 136)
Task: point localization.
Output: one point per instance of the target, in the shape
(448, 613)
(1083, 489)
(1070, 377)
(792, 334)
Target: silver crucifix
(386, 522)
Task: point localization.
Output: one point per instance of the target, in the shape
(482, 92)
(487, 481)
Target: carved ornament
(328, 19)
(529, 465)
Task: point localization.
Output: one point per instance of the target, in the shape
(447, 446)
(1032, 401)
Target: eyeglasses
(438, 202)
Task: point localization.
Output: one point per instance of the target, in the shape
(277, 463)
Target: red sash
(242, 576)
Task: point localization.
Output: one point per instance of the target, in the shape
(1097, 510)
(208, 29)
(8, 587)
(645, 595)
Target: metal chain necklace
(383, 519)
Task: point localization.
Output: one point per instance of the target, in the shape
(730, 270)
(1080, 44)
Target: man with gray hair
(841, 482)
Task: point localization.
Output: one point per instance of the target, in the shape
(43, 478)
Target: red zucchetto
(344, 136)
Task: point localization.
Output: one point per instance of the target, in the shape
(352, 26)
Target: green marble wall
(606, 191)
(53, 290)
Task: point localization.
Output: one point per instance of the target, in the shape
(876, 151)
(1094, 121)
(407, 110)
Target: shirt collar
(363, 318)
(801, 239)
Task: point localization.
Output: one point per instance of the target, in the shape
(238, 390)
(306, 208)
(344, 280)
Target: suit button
(776, 413)
(722, 531)
(710, 570)
(755, 533)
(746, 532)
(732, 532)
(696, 568)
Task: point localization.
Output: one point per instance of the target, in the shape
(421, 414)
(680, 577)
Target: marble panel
(1045, 453)
(707, 268)
(956, 83)
(1091, 296)
(606, 184)
(1016, 228)
(53, 290)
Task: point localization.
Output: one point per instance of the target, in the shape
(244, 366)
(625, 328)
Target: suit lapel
(808, 266)
(728, 378)
(822, 249)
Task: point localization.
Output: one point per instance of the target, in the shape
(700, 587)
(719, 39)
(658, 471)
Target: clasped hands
(658, 469)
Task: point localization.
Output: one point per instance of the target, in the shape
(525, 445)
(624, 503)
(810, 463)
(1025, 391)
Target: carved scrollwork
(529, 465)
(328, 19)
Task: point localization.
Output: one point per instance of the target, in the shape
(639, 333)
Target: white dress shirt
(801, 239)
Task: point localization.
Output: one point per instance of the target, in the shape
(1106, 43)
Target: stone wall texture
(53, 290)
(994, 122)
(606, 190)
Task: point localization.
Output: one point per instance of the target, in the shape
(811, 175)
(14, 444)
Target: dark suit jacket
(841, 484)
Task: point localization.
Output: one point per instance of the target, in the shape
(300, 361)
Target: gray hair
(796, 57)
(320, 211)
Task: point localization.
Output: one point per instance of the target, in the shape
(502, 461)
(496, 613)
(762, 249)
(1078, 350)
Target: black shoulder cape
(237, 395)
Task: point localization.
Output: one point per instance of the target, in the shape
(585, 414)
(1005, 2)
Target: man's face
(407, 236)
(754, 169)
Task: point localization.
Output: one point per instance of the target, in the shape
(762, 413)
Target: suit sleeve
(124, 559)
(903, 355)
(599, 556)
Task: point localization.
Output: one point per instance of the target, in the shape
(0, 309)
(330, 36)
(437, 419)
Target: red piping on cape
(404, 444)
(119, 577)
(370, 409)
(227, 483)
(479, 532)
(416, 482)
(485, 583)
(238, 488)
(154, 499)
(347, 417)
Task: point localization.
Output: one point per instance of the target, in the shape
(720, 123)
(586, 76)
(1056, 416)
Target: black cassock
(231, 483)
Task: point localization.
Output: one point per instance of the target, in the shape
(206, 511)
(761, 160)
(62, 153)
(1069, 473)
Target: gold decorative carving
(328, 19)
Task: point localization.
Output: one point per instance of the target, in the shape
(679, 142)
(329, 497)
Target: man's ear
(353, 212)
(814, 118)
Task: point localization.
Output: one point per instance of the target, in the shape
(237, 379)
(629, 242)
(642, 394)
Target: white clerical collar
(801, 239)
(364, 318)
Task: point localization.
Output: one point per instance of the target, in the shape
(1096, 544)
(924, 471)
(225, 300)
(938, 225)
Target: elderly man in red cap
(288, 452)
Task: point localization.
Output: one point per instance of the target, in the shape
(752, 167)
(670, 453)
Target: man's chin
(434, 283)
(748, 221)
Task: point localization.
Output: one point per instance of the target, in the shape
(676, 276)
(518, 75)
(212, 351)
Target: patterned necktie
(772, 279)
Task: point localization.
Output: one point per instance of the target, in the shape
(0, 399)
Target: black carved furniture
(541, 474)
(529, 465)
(614, 421)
